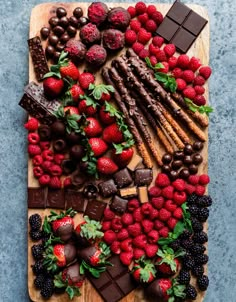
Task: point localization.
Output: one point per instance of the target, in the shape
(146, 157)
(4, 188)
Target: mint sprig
(201, 109)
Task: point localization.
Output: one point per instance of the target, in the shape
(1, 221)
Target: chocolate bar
(181, 26)
(115, 283)
(37, 198)
(123, 178)
(95, 209)
(107, 188)
(75, 200)
(143, 177)
(38, 57)
(55, 199)
(37, 105)
(118, 204)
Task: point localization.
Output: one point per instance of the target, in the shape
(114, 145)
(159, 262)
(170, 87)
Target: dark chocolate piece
(78, 179)
(38, 57)
(143, 177)
(107, 188)
(68, 166)
(194, 23)
(95, 209)
(118, 204)
(115, 283)
(90, 190)
(183, 40)
(37, 105)
(123, 178)
(178, 12)
(167, 29)
(56, 198)
(37, 198)
(75, 200)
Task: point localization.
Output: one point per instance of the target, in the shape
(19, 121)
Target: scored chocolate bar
(95, 209)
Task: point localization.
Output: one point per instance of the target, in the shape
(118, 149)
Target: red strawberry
(169, 205)
(146, 208)
(122, 234)
(112, 134)
(75, 92)
(158, 224)
(89, 229)
(122, 159)
(154, 191)
(109, 237)
(126, 245)
(87, 107)
(85, 79)
(105, 97)
(53, 87)
(105, 116)
(97, 256)
(132, 204)
(127, 219)
(98, 146)
(153, 236)
(116, 224)
(157, 202)
(178, 213)
(147, 225)
(167, 192)
(162, 180)
(171, 222)
(138, 253)
(126, 258)
(134, 229)
(93, 128)
(71, 110)
(32, 124)
(144, 271)
(108, 214)
(179, 197)
(106, 225)
(164, 215)
(151, 250)
(106, 166)
(168, 264)
(137, 215)
(69, 69)
(115, 247)
(140, 241)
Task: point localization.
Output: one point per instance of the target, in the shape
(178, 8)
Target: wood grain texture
(39, 17)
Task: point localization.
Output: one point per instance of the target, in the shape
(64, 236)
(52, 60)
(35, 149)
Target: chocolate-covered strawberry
(144, 271)
(89, 229)
(168, 262)
(70, 280)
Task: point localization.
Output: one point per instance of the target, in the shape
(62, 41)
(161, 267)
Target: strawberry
(105, 116)
(132, 204)
(162, 180)
(75, 92)
(122, 235)
(164, 215)
(178, 213)
(101, 92)
(115, 247)
(106, 166)
(157, 202)
(108, 214)
(87, 107)
(89, 229)
(93, 128)
(138, 253)
(32, 124)
(126, 245)
(140, 241)
(153, 236)
(53, 87)
(71, 110)
(158, 289)
(170, 205)
(127, 219)
(68, 69)
(116, 224)
(109, 237)
(134, 229)
(85, 79)
(151, 250)
(98, 146)
(147, 225)
(144, 271)
(122, 159)
(112, 134)
(137, 215)
(126, 258)
(167, 263)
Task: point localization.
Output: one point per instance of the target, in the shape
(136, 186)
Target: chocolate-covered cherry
(60, 46)
(179, 155)
(53, 21)
(64, 22)
(83, 21)
(166, 158)
(53, 40)
(71, 30)
(59, 146)
(58, 129)
(90, 190)
(176, 164)
(58, 30)
(65, 38)
(166, 169)
(78, 12)
(188, 149)
(197, 146)
(173, 175)
(61, 12)
(56, 56)
(197, 158)
(45, 31)
(73, 138)
(184, 173)
(73, 21)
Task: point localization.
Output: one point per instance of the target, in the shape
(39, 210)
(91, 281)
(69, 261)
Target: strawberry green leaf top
(201, 109)
(168, 256)
(112, 110)
(94, 271)
(176, 291)
(70, 120)
(144, 270)
(98, 90)
(91, 229)
(54, 216)
(89, 101)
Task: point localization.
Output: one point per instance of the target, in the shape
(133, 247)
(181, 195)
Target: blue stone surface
(14, 29)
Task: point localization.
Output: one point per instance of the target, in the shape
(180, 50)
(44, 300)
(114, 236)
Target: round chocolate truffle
(96, 55)
(193, 169)
(76, 50)
(58, 30)
(64, 22)
(71, 30)
(68, 166)
(89, 34)
(59, 146)
(53, 21)
(78, 179)
(61, 12)
(166, 169)
(184, 173)
(60, 46)
(176, 164)
(188, 149)
(197, 146)
(90, 190)
(78, 12)
(73, 138)
(166, 158)
(173, 175)
(56, 56)
(77, 152)
(197, 159)
(119, 18)
(49, 51)
(65, 38)
(53, 39)
(97, 12)
(45, 31)
(83, 21)
(188, 160)
(179, 155)
(113, 39)
(58, 129)
(74, 21)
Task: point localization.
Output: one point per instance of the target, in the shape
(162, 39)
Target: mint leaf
(201, 109)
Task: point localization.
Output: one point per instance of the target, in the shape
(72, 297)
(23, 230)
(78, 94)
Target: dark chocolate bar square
(37, 198)
(123, 178)
(95, 209)
(143, 177)
(167, 29)
(183, 40)
(194, 23)
(178, 12)
(56, 199)
(75, 200)
(111, 293)
(107, 188)
(118, 204)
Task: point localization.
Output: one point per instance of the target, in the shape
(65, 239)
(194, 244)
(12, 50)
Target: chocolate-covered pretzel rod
(147, 76)
(133, 83)
(138, 139)
(134, 112)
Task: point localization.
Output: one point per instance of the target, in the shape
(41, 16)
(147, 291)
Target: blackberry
(188, 262)
(192, 199)
(200, 237)
(37, 251)
(196, 225)
(184, 277)
(201, 259)
(185, 235)
(197, 249)
(38, 267)
(175, 245)
(203, 282)
(193, 210)
(47, 288)
(191, 292)
(187, 244)
(204, 201)
(203, 214)
(198, 270)
(39, 280)
(35, 235)
(35, 222)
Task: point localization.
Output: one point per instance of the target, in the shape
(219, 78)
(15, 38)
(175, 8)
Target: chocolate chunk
(183, 40)
(75, 200)
(143, 194)
(128, 192)
(107, 188)
(167, 29)
(44, 133)
(123, 178)
(194, 23)
(53, 21)
(59, 146)
(56, 198)
(37, 197)
(118, 204)
(143, 177)
(38, 58)
(95, 209)
(37, 105)
(166, 169)
(178, 12)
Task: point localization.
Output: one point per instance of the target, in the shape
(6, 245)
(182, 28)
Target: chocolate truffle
(166, 158)
(77, 152)
(96, 55)
(90, 190)
(53, 21)
(89, 34)
(97, 12)
(61, 12)
(76, 50)
(45, 31)
(119, 18)
(107, 188)
(123, 178)
(143, 177)
(113, 39)
(44, 132)
(78, 12)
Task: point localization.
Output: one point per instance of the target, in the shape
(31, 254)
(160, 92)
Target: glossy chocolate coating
(71, 30)
(64, 22)
(119, 204)
(83, 21)
(154, 291)
(173, 175)
(176, 164)
(50, 51)
(44, 132)
(73, 138)
(95, 209)
(45, 31)
(143, 177)
(188, 149)
(56, 56)
(107, 188)
(73, 21)
(59, 146)
(77, 152)
(65, 232)
(56, 199)
(123, 178)
(58, 129)
(60, 46)
(53, 21)
(166, 158)
(75, 200)
(53, 39)
(193, 169)
(188, 160)
(73, 273)
(179, 155)
(184, 173)
(197, 158)
(197, 146)
(166, 168)
(70, 253)
(78, 12)
(61, 12)
(68, 166)
(65, 38)
(90, 190)
(58, 30)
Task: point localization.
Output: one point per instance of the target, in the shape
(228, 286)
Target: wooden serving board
(39, 18)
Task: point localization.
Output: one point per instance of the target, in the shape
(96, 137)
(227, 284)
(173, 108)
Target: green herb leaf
(201, 109)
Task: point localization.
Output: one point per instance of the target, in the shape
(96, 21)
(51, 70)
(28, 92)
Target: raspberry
(153, 236)
(183, 61)
(205, 71)
(122, 235)
(106, 225)
(109, 237)
(137, 215)
(33, 150)
(153, 60)
(154, 191)
(189, 189)
(151, 9)
(44, 145)
(181, 84)
(146, 209)
(165, 69)
(138, 253)
(132, 204)
(147, 225)
(130, 36)
(167, 192)
(189, 92)
(177, 72)
(127, 219)
(48, 155)
(137, 47)
(33, 138)
(58, 158)
(199, 89)
(164, 215)
(115, 247)
(157, 17)
(200, 190)
(158, 224)
(162, 180)
(199, 80)
(140, 7)
(135, 25)
(178, 213)
(172, 62)
(194, 64)
(116, 224)
(134, 229)
(151, 250)
(199, 100)
(55, 170)
(126, 245)
(164, 232)
(143, 18)
(55, 183)
(38, 171)
(67, 182)
(153, 214)
(132, 11)
(179, 184)
(169, 50)
(179, 197)
(37, 160)
(171, 222)
(46, 165)
(153, 49)
(188, 76)
(143, 53)
(161, 56)
(193, 179)
(157, 202)
(170, 206)
(151, 26)
(44, 180)
(144, 36)
(32, 124)
(140, 241)
(157, 41)
(204, 179)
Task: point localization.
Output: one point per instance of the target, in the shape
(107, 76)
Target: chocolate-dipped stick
(138, 139)
(133, 82)
(134, 112)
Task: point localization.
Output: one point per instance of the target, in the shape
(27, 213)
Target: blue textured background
(222, 150)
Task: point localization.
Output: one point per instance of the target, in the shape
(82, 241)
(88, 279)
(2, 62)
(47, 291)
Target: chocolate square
(37, 198)
(75, 200)
(143, 177)
(178, 12)
(194, 23)
(95, 209)
(56, 199)
(111, 293)
(183, 40)
(118, 204)
(167, 29)
(107, 188)
(100, 282)
(118, 267)
(123, 178)
(126, 283)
